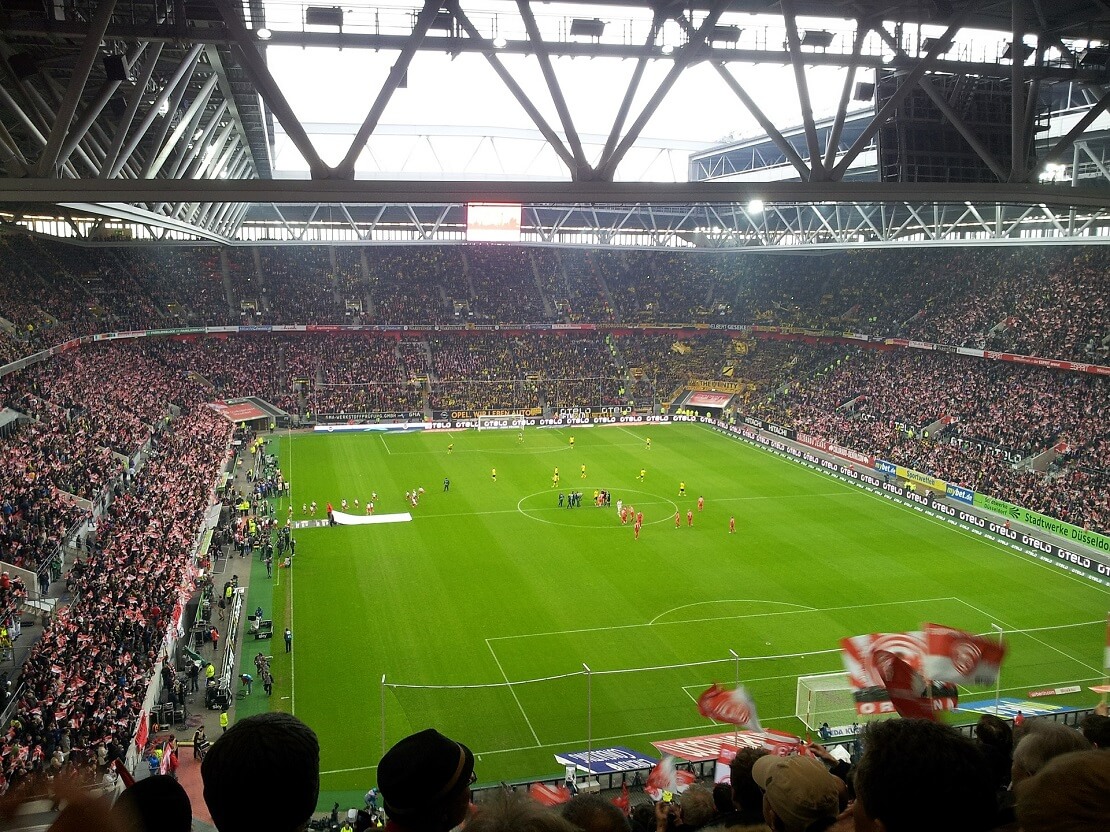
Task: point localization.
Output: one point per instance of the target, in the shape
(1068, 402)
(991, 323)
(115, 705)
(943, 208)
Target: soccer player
(583, 472)
(643, 473)
(572, 443)
(732, 525)
(640, 518)
(620, 506)
(555, 479)
(636, 529)
(493, 474)
(701, 502)
(690, 517)
(520, 436)
(560, 500)
(682, 489)
(446, 484)
(678, 519)
(450, 447)
(649, 443)
(343, 503)
(369, 509)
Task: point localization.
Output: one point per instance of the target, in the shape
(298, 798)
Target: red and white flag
(1106, 658)
(667, 777)
(624, 802)
(732, 706)
(549, 795)
(905, 687)
(865, 658)
(955, 656)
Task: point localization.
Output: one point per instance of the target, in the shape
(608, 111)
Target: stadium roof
(168, 115)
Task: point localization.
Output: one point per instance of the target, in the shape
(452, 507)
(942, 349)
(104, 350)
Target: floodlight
(1025, 51)
(114, 68)
(724, 34)
(264, 33)
(755, 206)
(587, 27)
(817, 38)
(324, 16)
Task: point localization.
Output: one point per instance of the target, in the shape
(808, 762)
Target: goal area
(826, 697)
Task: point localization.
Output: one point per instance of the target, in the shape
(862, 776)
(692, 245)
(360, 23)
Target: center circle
(544, 507)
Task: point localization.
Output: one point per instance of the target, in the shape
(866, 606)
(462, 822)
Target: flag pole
(998, 678)
(589, 723)
(736, 676)
(1106, 661)
(383, 714)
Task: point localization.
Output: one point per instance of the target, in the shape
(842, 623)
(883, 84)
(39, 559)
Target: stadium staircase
(229, 285)
(549, 311)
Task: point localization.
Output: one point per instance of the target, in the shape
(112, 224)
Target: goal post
(825, 697)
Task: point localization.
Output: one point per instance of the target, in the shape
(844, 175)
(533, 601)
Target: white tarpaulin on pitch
(343, 519)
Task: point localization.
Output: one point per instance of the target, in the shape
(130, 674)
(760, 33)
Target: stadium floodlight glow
(666, 49)
(755, 206)
(264, 33)
(500, 42)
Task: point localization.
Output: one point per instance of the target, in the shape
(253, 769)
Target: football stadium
(599, 416)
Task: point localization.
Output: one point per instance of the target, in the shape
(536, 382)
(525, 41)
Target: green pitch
(492, 582)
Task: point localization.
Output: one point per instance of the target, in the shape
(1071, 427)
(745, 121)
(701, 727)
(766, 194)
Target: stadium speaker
(863, 91)
(114, 68)
(23, 65)
(324, 16)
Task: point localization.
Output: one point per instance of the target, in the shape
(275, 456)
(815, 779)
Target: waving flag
(666, 777)
(732, 706)
(905, 687)
(865, 658)
(624, 802)
(966, 659)
(549, 795)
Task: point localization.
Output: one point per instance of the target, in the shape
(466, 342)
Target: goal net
(825, 697)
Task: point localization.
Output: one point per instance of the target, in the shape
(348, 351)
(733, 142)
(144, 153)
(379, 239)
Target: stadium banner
(607, 760)
(959, 493)
(930, 482)
(709, 747)
(934, 506)
(1041, 521)
(884, 467)
(978, 446)
(711, 400)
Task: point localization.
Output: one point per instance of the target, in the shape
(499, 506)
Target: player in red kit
(636, 529)
(677, 519)
(701, 503)
(690, 517)
(732, 525)
(640, 519)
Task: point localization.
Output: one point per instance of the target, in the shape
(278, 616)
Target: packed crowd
(992, 422)
(1042, 301)
(85, 680)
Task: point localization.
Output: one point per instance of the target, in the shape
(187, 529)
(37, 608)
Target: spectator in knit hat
(799, 794)
(264, 773)
(1070, 794)
(425, 782)
(919, 776)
